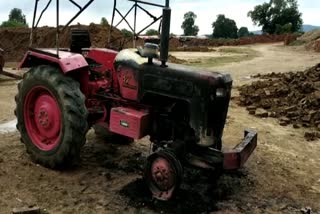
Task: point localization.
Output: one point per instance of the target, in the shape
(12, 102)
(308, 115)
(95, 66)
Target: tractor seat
(79, 39)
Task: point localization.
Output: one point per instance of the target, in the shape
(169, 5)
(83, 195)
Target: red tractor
(131, 94)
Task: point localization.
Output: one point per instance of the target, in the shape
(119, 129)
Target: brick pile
(293, 98)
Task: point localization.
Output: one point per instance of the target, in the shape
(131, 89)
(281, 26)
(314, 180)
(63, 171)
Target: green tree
(104, 21)
(277, 16)
(152, 32)
(188, 26)
(16, 19)
(16, 15)
(224, 28)
(126, 33)
(243, 32)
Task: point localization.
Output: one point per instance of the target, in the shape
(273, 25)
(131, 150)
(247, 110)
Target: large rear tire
(52, 117)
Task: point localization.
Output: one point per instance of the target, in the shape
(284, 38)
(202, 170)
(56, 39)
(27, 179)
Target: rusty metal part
(8, 74)
(163, 174)
(137, 6)
(238, 156)
(210, 158)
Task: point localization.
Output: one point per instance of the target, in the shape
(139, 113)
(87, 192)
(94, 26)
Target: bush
(13, 24)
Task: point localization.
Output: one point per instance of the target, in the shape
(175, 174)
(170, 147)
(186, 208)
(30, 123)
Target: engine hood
(174, 79)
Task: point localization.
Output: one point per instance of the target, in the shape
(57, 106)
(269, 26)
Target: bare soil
(217, 56)
(282, 176)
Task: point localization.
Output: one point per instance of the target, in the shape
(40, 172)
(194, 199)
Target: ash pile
(293, 98)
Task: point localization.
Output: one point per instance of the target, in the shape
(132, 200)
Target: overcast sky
(206, 10)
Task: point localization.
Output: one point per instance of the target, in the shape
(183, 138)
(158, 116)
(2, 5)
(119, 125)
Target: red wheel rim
(42, 117)
(163, 175)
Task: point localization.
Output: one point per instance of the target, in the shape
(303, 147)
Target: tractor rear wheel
(52, 117)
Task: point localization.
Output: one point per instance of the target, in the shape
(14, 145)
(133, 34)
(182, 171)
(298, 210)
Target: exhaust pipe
(165, 34)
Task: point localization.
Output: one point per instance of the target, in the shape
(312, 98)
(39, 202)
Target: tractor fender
(65, 60)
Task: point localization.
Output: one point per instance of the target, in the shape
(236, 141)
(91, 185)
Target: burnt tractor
(132, 93)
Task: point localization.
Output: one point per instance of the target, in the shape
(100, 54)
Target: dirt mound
(176, 60)
(311, 40)
(290, 38)
(15, 41)
(316, 45)
(294, 98)
(310, 36)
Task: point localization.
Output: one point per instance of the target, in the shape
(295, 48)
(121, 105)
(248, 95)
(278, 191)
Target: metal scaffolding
(137, 4)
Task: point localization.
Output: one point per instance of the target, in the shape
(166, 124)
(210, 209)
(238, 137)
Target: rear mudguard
(67, 61)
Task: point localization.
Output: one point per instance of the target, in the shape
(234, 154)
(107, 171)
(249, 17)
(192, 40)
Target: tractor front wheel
(163, 174)
(52, 117)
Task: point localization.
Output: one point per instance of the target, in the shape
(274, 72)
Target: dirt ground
(282, 176)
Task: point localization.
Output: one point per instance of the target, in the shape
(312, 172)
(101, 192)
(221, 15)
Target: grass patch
(228, 55)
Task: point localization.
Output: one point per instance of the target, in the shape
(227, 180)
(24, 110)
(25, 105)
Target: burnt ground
(282, 176)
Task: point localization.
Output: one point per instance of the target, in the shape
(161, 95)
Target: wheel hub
(42, 118)
(163, 174)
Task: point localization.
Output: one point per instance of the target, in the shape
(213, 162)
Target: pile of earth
(15, 41)
(311, 40)
(176, 60)
(293, 98)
